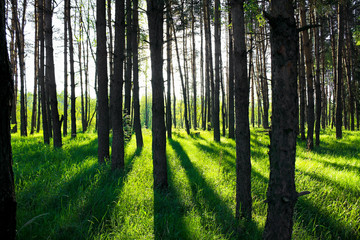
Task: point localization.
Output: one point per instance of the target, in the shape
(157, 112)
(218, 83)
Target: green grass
(66, 194)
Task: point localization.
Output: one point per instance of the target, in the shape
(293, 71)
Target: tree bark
(168, 70)
(231, 81)
(36, 71)
(117, 157)
(7, 188)
(339, 73)
(72, 74)
(44, 108)
(243, 163)
(129, 51)
(155, 20)
(137, 122)
(101, 61)
(317, 83)
(66, 14)
(281, 194)
(216, 110)
(50, 74)
(194, 65)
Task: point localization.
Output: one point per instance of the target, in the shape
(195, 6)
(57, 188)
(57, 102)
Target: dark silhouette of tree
(281, 194)
(243, 163)
(101, 61)
(216, 90)
(117, 155)
(50, 74)
(7, 188)
(155, 10)
(339, 83)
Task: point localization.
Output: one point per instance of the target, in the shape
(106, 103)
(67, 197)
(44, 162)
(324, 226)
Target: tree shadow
(207, 200)
(320, 224)
(79, 205)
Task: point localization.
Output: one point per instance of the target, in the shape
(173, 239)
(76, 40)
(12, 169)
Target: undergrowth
(65, 194)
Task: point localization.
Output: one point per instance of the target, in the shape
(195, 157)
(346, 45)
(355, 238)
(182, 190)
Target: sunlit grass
(66, 194)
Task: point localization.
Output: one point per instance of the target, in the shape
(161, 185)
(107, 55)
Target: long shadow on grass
(320, 224)
(206, 199)
(80, 203)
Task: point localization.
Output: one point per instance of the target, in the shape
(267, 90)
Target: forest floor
(65, 194)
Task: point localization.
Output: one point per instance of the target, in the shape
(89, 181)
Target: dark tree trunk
(44, 108)
(243, 163)
(203, 102)
(117, 157)
(129, 51)
(168, 70)
(72, 74)
(66, 14)
(101, 61)
(317, 85)
(137, 122)
(349, 67)
(281, 194)
(79, 40)
(13, 60)
(231, 81)
(193, 65)
(36, 71)
(50, 74)
(20, 46)
(7, 188)
(339, 73)
(302, 86)
(309, 77)
(155, 18)
(216, 110)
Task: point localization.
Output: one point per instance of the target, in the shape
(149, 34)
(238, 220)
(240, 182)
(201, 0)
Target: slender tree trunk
(79, 40)
(203, 102)
(7, 188)
(101, 61)
(194, 65)
(309, 77)
(36, 71)
(243, 163)
(317, 83)
(349, 68)
(339, 83)
(302, 86)
(155, 20)
(168, 70)
(137, 122)
(265, 88)
(231, 81)
(50, 74)
(66, 14)
(129, 51)
(13, 60)
(117, 157)
(216, 109)
(281, 194)
(333, 47)
(46, 131)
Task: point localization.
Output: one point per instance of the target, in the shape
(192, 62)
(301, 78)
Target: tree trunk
(155, 20)
(317, 83)
(101, 61)
(66, 14)
(243, 163)
(309, 77)
(72, 75)
(302, 86)
(339, 73)
(36, 71)
(137, 122)
(50, 74)
(44, 108)
(168, 70)
(13, 60)
(117, 157)
(216, 110)
(231, 81)
(281, 194)
(7, 188)
(193, 65)
(128, 59)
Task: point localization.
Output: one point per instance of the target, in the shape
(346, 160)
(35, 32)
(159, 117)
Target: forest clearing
(65, 194)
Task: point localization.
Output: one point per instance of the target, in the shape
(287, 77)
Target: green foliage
(65, 194)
